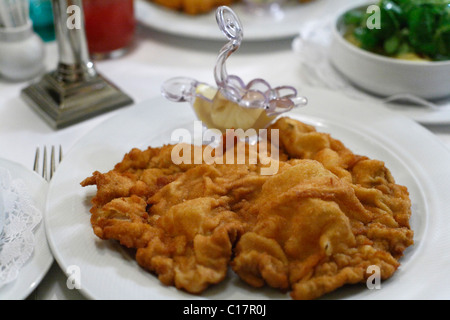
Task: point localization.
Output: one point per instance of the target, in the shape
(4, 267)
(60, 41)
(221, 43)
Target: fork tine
(36, 160)
(52, 162)
(47, 171)
(44, 166)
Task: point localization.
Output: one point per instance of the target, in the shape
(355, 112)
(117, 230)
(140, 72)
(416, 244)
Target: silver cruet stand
(75, 91)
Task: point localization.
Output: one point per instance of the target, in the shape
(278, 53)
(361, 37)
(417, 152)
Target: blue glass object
(41, 13)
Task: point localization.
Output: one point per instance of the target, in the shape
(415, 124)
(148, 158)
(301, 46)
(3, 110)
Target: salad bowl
(385, 75)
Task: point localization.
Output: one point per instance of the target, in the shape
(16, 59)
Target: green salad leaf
(406, 26)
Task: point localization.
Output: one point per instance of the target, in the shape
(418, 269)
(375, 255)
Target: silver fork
(47, 173)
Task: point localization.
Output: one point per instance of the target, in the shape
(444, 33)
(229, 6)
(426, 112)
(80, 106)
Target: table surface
(153, 58)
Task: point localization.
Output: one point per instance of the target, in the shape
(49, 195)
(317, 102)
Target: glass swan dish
(232, 104)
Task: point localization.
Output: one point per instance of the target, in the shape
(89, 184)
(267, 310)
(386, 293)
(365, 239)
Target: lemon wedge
(202, 107)
(223, 114)
(206, 91)
(226, 114)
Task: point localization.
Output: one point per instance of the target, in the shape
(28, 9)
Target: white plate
(255, 27)
(2, 213)
(35, 269)
(107, 271)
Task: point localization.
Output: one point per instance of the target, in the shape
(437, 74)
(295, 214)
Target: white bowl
(386, 76)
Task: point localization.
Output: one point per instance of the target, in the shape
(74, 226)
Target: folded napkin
(313, 47)
(17, 240)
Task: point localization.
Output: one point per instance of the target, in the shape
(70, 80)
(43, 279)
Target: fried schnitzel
(314, 226)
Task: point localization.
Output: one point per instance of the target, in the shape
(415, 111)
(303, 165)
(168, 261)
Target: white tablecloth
(154, 58)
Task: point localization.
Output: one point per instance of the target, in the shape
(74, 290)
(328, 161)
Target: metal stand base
(62, 104)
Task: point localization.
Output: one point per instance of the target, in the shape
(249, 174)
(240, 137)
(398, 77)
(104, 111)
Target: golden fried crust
(196, 247)
(314, 226)
(309, 225)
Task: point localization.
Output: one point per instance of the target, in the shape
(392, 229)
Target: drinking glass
(110, 26)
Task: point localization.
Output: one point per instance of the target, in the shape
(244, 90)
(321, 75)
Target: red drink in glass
(109, 26)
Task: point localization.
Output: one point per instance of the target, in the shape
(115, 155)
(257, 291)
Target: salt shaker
(21, 53)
